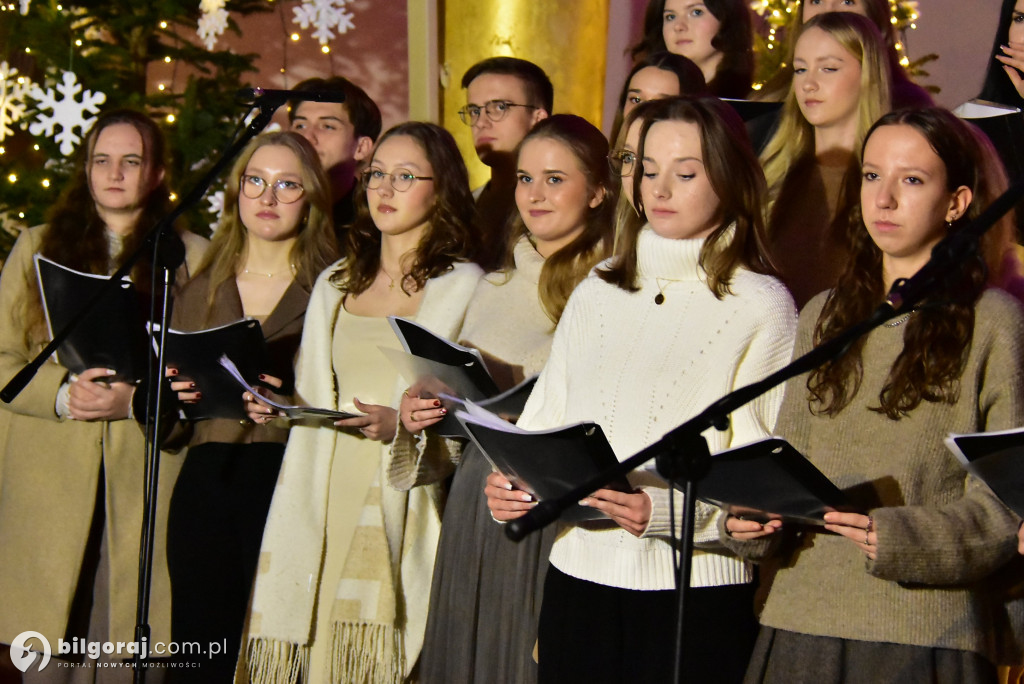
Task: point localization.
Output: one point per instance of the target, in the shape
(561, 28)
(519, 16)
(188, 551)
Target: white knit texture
(639, 369)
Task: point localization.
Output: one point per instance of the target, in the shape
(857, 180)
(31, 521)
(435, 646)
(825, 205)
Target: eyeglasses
(401, 179)
(284, 191)
(622, 162)
(496, 111)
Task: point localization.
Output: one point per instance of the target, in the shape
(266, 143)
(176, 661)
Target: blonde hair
(793, 141)
(563, 270)
(316, 246)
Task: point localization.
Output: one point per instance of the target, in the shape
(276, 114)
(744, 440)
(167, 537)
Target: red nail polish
(437, 403)
(262, 376)
(444, 411)
(191, 385)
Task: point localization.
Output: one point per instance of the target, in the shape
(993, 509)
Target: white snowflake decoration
(216, 202)
(24, 7)
(12, 98)
(324, 15)
(68, 113)
(213, 22)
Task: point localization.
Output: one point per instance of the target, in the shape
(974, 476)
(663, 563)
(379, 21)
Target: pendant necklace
(659, 298)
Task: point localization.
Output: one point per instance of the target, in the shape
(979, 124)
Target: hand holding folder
(544, 463)
(113, 337)
(288, 411)
(437, 368)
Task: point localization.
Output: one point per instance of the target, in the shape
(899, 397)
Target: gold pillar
(566, 39)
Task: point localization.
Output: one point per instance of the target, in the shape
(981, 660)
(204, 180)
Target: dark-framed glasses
(496, 111)
(622, 162)
(401, 179)
(285, 191)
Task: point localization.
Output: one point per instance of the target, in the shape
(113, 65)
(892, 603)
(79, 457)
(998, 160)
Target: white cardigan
(293, 540)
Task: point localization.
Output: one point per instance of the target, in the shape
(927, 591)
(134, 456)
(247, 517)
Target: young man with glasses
(343, 135)
(505, 97)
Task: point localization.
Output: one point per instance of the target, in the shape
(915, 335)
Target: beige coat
(49, 474)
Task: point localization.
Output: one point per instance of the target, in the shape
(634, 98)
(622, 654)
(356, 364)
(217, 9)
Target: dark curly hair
(451, 235)
(735, 40)
(938, 337)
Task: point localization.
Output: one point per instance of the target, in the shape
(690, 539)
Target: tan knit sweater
(941, 535)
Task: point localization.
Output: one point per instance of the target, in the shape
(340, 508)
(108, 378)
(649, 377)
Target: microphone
(257, 95)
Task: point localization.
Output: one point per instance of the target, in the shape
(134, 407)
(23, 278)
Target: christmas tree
(64, 61)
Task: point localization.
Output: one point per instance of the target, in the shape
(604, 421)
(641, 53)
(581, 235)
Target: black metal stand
(156, 240)
(682, 454)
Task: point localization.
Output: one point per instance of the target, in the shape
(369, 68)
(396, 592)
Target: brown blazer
(283, 331)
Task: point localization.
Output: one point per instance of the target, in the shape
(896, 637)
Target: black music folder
(453, 373)
(113, 336)
(196, 356)
(997, 459)
(769, 479)
(545, 463)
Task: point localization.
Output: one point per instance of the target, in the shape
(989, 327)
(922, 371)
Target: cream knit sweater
(639, 369)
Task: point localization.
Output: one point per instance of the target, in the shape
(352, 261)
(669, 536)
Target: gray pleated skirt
(486, 592)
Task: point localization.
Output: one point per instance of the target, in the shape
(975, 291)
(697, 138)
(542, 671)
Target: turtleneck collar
(659, 257)
(528, 260)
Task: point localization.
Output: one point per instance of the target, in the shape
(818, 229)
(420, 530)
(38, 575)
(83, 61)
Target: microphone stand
(682, 455)
(157, 238)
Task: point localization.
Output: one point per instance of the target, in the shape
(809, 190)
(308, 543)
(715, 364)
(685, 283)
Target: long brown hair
(737, 180)
(938, 337)
(315, 246)
(76, 236)
(563, 270)
(451, 234)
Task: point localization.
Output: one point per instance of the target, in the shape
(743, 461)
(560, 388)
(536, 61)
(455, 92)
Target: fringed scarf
(378, 624)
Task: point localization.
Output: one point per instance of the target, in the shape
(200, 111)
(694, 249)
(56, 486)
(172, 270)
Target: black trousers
(214, 529)
(595, 633)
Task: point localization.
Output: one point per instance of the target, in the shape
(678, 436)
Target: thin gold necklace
(290, 269)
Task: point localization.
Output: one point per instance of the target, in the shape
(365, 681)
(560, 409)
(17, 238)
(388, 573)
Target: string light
(170, 118)
(167, 59)
(13, 178)
(325, 49)
(295, 36)
(163, 24)
(46, 182)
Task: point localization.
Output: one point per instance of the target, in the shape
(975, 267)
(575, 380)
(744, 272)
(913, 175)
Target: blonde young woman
(840, 88)
(345, 566)
(274, 239)
(564, 229)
